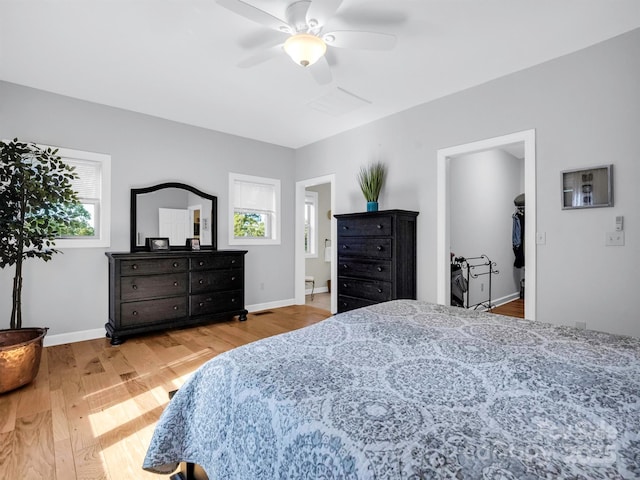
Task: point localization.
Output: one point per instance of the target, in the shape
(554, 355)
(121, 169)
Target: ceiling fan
(307, 41)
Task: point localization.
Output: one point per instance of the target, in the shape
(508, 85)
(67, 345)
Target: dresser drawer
(364, 247)
(216, 302)
(363, 226)
(153, 266)
(152, 311)
(350, 303)
(207, 281)
(217, 262)
(374, 269)
(153, 286)
(371, 290)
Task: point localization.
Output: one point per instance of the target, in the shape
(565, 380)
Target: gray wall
(482, 188)
(70, 293)
(585, 108)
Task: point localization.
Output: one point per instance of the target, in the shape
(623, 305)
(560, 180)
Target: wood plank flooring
(90, 412)
(514, 308)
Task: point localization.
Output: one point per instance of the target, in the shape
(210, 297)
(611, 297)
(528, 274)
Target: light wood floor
(91, 411)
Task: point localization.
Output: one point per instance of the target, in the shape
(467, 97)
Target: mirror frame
(153, 188)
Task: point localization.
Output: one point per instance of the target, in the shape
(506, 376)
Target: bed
(411, 390)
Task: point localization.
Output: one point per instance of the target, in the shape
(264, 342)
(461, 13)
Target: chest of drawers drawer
(150, 286)
(365, 226)
(213, 280)
(152, 311)
(215, 302)
(365, 247)
(373, 269)
(371, 290)
(220, 262)
(153, 267)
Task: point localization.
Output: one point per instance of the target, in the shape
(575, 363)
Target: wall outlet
(615, 239)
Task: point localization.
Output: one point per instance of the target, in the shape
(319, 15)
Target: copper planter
(20, 352)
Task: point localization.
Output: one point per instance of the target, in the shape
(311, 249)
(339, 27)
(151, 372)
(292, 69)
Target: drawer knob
(379, 290)
(233, 261)
(201, 304)
(175, 284)
(233, 278)
(201, 263)
(379, 248)
(134, 266)
(233, 300)
(345, 265)
(344, 247)
(345, 285)
(175, 307)
(379, 227)
(134, 313)
(135, 287)
(379, 269)
(176, 264)
(201, 281)
(344, 227)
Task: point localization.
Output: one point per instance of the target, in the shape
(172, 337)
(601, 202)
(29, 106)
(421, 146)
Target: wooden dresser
(155, 291)
(376, 257)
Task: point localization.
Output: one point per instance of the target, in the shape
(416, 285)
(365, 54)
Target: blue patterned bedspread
(411, 390)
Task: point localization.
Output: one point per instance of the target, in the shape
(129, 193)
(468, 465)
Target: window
(254, 210)
(91, 227)
(311, 224)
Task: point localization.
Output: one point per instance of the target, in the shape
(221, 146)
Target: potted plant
(36, 205)
(371, 179)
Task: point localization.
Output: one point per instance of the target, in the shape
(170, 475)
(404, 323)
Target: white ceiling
(176, 59)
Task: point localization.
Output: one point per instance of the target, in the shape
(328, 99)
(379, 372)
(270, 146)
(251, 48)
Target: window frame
(274, 239)
(311, 198)
(103, 239)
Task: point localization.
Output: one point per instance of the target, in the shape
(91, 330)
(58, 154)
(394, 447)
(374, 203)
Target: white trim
(299, 272)
(443, 288)
(72, 337)
(266, 306)
(275, 235)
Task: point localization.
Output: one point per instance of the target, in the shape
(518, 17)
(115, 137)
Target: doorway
(525, 140)
(314, 256)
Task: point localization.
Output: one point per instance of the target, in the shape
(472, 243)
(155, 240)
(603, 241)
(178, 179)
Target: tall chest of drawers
(376, 257)
(155, 291)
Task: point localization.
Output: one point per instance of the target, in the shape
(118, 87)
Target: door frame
(299, 268)
(443, 261)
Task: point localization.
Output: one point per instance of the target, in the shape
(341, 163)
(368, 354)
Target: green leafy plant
(371, 179)
(37, 204)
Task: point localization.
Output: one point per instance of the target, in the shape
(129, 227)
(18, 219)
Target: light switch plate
(615, 239)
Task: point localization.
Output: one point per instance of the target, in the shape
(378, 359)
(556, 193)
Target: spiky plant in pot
(371, 178)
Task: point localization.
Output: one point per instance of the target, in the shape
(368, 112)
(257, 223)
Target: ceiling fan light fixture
(305, 49)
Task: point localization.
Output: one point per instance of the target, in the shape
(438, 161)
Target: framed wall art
(587, 187)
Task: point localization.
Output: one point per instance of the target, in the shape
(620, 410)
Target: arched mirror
(175, 211)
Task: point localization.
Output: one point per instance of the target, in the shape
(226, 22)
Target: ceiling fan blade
(360, 40)
(261, 57)
(320, 11)
(321, 72)
(255, 14)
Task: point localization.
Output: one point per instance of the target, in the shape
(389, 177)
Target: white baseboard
(506, 299)
(316, 290)
(266, 306)
(71, 337)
